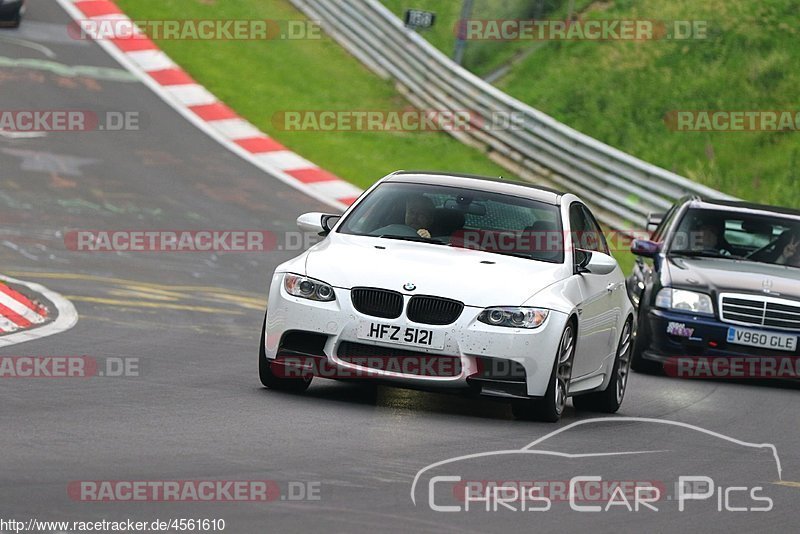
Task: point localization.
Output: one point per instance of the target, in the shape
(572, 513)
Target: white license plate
(754, 338)
(401, 335)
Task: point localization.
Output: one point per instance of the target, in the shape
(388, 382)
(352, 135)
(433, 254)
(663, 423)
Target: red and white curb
(25, 319)
(172, 84)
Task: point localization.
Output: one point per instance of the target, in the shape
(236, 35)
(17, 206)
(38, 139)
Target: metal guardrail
(622, 188)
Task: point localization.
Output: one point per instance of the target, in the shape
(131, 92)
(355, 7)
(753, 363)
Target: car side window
(594, 228)
(666, 222)
(586, 233)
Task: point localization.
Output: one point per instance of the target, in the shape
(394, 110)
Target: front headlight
(308, 288)
(514, 317)
(684, 301)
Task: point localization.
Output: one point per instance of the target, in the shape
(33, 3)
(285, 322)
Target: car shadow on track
(412, 400)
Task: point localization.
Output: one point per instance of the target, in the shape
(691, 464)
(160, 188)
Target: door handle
(611, 287)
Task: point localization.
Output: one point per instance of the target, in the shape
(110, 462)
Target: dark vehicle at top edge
(11, 12)
(717, 279)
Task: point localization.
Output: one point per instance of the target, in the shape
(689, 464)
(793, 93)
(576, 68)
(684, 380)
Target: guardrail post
(461, 41)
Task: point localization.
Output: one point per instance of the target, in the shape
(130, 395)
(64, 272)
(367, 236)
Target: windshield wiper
(704, 254)
(416, 239)
(508, 253)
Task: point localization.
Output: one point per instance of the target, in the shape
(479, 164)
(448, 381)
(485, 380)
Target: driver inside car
(418, 219)
(419, 215)
(707, 238)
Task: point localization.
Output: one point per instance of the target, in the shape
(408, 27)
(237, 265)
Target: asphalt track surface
(197, 411)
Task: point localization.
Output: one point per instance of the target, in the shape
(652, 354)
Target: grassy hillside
(620, 91)
(261, 78)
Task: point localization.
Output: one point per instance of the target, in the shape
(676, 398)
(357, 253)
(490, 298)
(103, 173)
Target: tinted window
(459, 217)
(738, 234)
(586, 233)
(658, 235)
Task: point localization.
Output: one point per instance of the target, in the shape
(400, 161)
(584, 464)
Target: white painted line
(20, 309)
(146, 60)
(336, 189)
(191, 94)
(285, 160)
(66, 319)
(236, 128)
(7, 326)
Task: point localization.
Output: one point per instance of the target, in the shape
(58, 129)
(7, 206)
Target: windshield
(465, 218)
(756, 237)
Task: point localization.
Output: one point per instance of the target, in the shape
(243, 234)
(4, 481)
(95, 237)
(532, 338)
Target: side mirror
(319, 223)
(645, 248)
(653, 220)
(594, 262)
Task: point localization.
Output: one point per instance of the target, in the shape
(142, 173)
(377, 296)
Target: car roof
(738, 205)
(481, 183)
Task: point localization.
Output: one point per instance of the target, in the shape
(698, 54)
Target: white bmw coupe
(436, 280)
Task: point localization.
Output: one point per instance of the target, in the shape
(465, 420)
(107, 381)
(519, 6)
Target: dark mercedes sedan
(717, 280)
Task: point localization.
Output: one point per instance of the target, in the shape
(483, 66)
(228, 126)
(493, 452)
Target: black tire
(610, 399)
(641, 342)
(268, 377)
(550, 407)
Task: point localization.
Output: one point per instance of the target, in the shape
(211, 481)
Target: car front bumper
(675, 335)
(469, 341)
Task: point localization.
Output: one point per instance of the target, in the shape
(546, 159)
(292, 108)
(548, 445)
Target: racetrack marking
(235, 128)
(158, 72)
(149, 60)
(787, 483)
(67, 315)
(19, 308)
(191, 95)
(29, 44)
(21, 135)
(284, 160)
(135, 294)
(336, 189)
(156, 305)
(70, 71)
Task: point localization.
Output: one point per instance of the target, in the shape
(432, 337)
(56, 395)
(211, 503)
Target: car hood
(473, 277)
(723, 275)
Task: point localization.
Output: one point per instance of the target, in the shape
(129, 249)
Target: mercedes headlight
(514, 317)
(308, 288)
(684, 301)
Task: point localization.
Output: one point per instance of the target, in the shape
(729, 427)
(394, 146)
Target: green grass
(261, 78)
(620, 92)
(481, 57)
